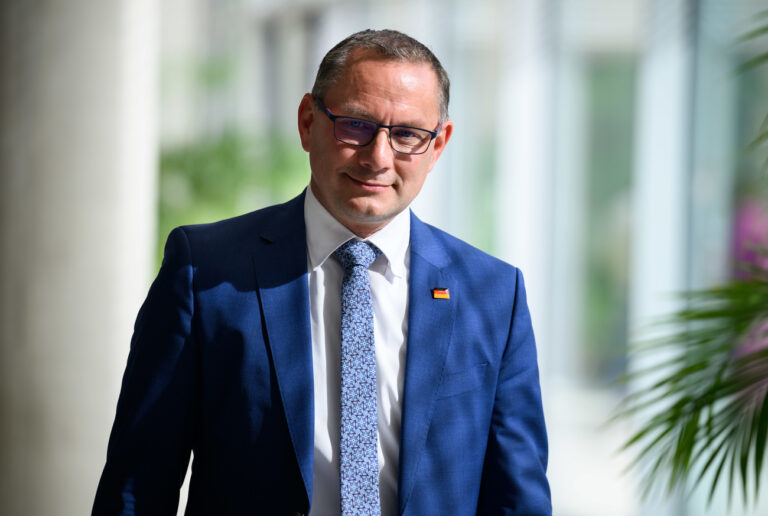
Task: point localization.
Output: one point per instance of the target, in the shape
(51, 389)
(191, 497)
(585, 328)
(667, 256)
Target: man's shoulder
(244, 229)
(456, 253)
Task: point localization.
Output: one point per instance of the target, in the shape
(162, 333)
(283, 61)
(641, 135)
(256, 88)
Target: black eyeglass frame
(432, 134)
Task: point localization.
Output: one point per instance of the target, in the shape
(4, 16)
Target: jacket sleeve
(153, 432)
(514, 474)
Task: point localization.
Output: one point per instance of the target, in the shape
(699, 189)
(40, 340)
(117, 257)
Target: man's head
(376, 77)
(387, 44)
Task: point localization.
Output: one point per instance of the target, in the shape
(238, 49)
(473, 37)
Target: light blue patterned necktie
(359, 452)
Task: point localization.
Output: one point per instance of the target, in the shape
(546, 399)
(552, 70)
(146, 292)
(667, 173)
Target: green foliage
(226, 176)
(706, 410)
(761, 140)
(760, 30)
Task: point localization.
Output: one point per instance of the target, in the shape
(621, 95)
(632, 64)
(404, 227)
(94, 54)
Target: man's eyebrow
(356, 112)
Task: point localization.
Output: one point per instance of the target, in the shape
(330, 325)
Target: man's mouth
(371, 186)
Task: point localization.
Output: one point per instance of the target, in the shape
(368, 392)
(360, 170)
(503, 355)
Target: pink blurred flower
(750, 233)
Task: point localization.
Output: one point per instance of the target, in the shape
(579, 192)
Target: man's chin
(372, 213)
(368, 219)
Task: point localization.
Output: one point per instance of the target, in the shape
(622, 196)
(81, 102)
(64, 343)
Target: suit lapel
(280, 262)
(430, 325)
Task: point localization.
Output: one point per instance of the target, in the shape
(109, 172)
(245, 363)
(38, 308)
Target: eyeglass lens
(356, 131)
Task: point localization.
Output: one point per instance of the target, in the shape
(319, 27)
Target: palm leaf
(753, 62)
(706, 407)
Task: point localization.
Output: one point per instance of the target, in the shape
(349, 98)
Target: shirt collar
(325, 234)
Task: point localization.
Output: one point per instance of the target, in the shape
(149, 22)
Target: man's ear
(441, 140)
(306, 117)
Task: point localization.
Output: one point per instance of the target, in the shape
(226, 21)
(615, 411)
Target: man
(335, 353)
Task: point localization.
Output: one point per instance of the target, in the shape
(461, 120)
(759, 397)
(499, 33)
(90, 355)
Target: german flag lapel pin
(441, 293)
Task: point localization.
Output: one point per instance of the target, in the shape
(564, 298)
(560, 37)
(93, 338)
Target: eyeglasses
(360, 132)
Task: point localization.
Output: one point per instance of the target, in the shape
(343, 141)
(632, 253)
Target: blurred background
(600, 145)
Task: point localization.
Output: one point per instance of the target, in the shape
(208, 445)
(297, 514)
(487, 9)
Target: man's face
(365, 187)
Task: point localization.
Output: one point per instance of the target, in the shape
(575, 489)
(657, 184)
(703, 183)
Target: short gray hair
(388, 44)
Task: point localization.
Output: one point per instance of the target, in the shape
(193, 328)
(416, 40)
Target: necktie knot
(355, 252)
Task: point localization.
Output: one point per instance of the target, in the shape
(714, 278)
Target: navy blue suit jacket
(221, 364)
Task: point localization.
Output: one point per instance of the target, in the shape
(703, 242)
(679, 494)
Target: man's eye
(357, 124)
(409, 136)
(404, 132)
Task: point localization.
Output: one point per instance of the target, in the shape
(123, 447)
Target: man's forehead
(410, 78)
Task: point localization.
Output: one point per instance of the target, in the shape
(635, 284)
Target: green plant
(708, 405)
(224, 176)
(760, 59)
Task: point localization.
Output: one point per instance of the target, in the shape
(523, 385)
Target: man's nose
(378, 154)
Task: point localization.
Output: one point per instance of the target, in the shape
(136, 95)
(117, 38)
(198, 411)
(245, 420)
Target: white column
(181, 56)
(659, 242)
(524, 174)
(77, 163)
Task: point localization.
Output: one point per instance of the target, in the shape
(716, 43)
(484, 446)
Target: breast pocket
(460, 382)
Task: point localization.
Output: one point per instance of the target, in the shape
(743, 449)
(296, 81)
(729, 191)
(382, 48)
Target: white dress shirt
(389, 287)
